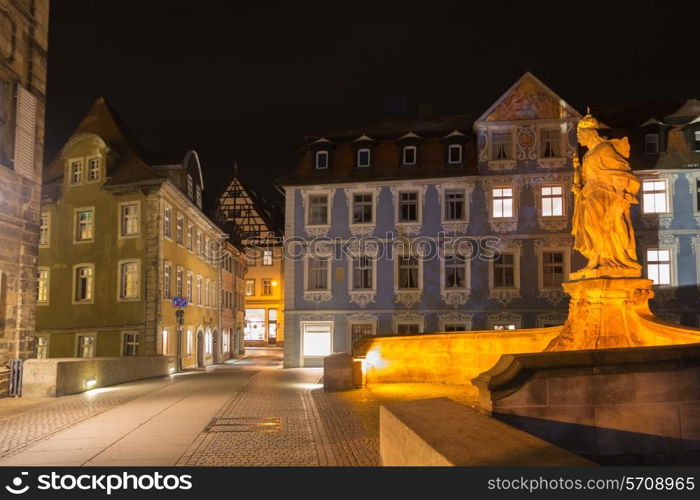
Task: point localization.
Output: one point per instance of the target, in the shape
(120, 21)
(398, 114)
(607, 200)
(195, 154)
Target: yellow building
(121, 236)
(258, 223)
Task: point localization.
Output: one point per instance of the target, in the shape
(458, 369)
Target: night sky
(246, 81)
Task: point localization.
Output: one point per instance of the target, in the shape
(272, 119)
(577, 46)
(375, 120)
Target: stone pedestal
(608, 312)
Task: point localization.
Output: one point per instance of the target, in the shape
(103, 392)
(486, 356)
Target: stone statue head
(587, 130)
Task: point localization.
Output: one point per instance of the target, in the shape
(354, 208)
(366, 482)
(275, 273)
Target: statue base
(605, 272)
(606, 313)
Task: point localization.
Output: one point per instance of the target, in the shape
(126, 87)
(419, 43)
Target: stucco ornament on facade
(455, 298)
(407, 299)
(526, 142)
(454, 318)
(317, 297)
(362, 298)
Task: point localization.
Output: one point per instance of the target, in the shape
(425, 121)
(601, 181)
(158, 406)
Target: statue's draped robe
(601, 221)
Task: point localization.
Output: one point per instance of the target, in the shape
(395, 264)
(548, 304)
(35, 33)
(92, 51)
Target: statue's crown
(588, 121)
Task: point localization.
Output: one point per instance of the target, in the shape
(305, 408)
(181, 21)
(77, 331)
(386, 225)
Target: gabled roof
(528, 99)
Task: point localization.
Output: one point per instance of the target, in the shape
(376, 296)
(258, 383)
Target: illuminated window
(363, 157)
(84, 283)
(454, 204)
(655, 196)
(130, 345)
(208, 343)
(178, 281)
(165, 339)
(207, 284)
(409, 155)
(454, 154)
(502, 202)
(199, 290)
(504, 326)
(362, 273)
(190, 287)
(93, 169)
(167, 221)
(651, 144)
(501, 145)
(249, 288)
(552, 269)
(180, 230)
(550, 143)
(659, 266)
(267, 287)
(190, 235)
(362, 209)
(267, 258)
(129, 275)
(86, 346)
(129, 219)
(504, 271)
(42, 295)
(408, 206)
(318, 209)
(84, 225)
(408, 272)
(45, 229)
(190, 343)
(167, 280)
(76, 172)
(321, 160)
(552, 201)
(317, 339)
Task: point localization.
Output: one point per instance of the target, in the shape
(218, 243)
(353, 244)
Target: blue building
(454, 223)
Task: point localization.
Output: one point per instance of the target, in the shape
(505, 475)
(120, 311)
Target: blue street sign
(179, 302)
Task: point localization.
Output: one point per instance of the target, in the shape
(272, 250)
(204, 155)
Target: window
(93, 169)
(190, 342)
(190, 186)
(198, 237)
(165, 341)
(659, 266)
(190, 231)
(167, 280)
(42, 347)
(651, 144)
(44, 229)
(76, 171)
(455, 327)
(408, 328)
(504, 271)
(552, 269)
(362, 209)
(129, 280)
(504, 326)
(129, 219)
(454, 204)
(408, 272)
(208, 344)
(83, 283)
(207, 284)
(408, 206)
(321, 160)
(552, 201)
(363, 157)
(203, 245)
(130, 344)
(84, 225)
(655, 198)
(190, 279)
(86, 346)
(317, 339)
(454, 154)
(360, 330)
(501, 144)
(455, 271)
(249, 288)
(267, 287)
(180, 230)
(267, 258)
(318, 209)
(199, 290)
(550, 143)
(198, 197)
(42, 295)
(409, 155)
(167, 221)
(318, 273)
(178, 281)
(502, 203)
(696, 142)
(362, 273)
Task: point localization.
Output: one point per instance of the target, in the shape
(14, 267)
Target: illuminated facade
(233, 271)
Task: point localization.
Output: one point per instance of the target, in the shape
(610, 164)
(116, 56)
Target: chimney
(425, 111)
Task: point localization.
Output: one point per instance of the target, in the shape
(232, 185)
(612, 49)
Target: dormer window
(501, 145)
(409, 155)
(190, 185)
(321, 160)
(93, 170)
(364, 156)
(696, 142)
(76, 171)
(651, 144)
(550, 143)
(198, 199)
(454, 154)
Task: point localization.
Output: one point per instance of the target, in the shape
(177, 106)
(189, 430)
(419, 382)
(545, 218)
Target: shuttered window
(25, 133)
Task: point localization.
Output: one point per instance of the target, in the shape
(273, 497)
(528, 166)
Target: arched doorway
(200, 348)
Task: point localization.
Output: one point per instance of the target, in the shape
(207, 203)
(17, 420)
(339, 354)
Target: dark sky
(246, 81)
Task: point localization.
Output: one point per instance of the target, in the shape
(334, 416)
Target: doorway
(200, 348)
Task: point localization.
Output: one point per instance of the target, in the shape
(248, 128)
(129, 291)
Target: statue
(604, 190)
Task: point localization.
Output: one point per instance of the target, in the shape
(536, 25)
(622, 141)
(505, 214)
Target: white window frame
(317, 155)
(404, 149)
(492, 206)
(200, 290)
(45, 229)
(329, 273)
(269, 282)
(120, 284)
(265, 260)
(189, 342)
(307, 210)
(167, 220)
(465, 204)
(419, 209)
(302, 325)
(47, 286)
(190, 236)
(76, 224)
(543, 196)
(189, 286)
(397, 264)
(517, 254)
(180, 230)
(77, 344)
(167, 275)
(249, 281)
(179, 278)
(88, 169)
(540, 251)
(351, 272)
(81, 162)
(74, 290)
(351, 193)
(137, 343)
(455, 147)
(120, 222)
(556, 128)
(667, 191)
(400, 321)
(512, 149)
(369, 158)
(443, 270)
(673, 271)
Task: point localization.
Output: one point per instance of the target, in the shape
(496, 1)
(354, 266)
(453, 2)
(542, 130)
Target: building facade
(257, 224)
(458, 223)
(23, 59)
(121, 236)
(233, 271)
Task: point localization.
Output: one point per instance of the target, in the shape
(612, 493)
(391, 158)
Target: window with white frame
(408, 328)
(502, 200)
(364, 156)
(408, 272)
(190, 233)
(189, 342)
(454, 154)
(198, 238)
(198, 196)
(129, 280)
(129, 224)
(208, 343)
(224, 341)
(552, 269)
(550, 143)
(362, 208)
(130, 344)
(552, 201)
(408, 206)
(76, 171)
(84, 283)
(267, 258)
(409, 155)
(213, 295)
(190, 287)
(454, 204)
(207, 283)
(165, 340)
(501, 145)
(167, 279)
(180, 230)
(42, 295)
(455, 271)
(45, 229)
(267, 287)
(659, 266)
(84, 224)
(362, 273)
(93, 170)
(321, 160)
(655, 196)
(86, 346)
(504, 271)
(696, 142)
(199, 290)
(318, 210)
(167, 221)
(42, 347)
(504, 326)
(651, 144)
(179, 281)
(190, 186)
(249, 288)
(358, 330)
(318, 269)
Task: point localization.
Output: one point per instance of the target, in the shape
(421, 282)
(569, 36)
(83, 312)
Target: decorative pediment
(529, 99)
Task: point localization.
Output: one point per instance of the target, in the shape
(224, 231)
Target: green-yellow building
(121, 235)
